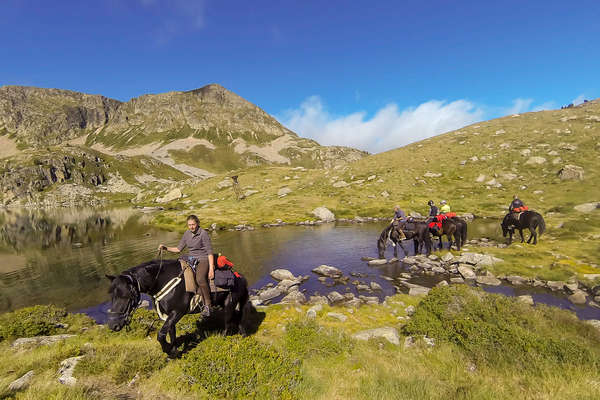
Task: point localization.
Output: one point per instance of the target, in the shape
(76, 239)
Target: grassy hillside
(477, 169)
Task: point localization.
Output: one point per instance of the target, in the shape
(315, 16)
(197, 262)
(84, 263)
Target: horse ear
(110, 277)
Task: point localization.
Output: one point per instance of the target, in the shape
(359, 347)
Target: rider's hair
(193, 218)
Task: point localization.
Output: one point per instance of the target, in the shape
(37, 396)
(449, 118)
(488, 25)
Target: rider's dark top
(433, 211)
(399, 215)
(198, 243)
(515, 203)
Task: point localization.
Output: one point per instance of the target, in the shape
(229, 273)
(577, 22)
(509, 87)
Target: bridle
(133, 302)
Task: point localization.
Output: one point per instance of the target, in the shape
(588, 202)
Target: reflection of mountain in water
(32, 229)
(61, 256)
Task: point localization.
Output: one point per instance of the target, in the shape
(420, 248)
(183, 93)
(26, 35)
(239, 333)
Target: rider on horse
(201, 257)
(433, 220)
(516, 207)
(399, 220)
(445, 208)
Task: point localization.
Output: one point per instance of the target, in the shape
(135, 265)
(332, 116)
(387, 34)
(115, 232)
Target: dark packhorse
(450, 229)
(150, 277)
(527, 219)
(461, 231)
(417, 231)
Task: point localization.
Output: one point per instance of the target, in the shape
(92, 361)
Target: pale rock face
(323, 214)
(571, 172)
(535, 161)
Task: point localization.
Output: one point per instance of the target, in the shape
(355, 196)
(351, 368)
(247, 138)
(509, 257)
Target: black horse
(417, 231)
(150, 277)
(527, 219)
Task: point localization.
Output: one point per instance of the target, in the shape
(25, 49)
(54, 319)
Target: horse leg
(169, 327)
(521, 233)
(396, 249)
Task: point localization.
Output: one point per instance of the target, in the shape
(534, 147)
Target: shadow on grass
(215, 325)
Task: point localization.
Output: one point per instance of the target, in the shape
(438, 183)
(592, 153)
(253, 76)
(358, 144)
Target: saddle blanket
(437, 225)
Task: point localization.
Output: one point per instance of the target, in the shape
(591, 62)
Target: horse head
(125, 298)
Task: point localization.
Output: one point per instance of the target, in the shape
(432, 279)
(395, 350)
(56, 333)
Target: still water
(61, 256)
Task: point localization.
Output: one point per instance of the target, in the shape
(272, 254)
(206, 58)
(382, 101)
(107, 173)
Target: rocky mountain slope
(45, 135)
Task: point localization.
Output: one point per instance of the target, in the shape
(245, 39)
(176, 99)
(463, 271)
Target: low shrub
(501, 330)
(236, 367)
(307, 338)
(31, 321)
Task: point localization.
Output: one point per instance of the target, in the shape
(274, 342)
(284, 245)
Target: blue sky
(373, 75)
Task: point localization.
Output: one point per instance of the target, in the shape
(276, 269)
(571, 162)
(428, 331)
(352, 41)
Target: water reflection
(61, 257)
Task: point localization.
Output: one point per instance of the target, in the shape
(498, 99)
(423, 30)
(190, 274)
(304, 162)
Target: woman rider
(200, 253)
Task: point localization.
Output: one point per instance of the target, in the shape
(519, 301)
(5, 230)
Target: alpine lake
(61, 256)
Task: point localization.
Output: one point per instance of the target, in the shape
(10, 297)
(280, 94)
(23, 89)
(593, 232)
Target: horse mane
(384, 234)
(150, 263)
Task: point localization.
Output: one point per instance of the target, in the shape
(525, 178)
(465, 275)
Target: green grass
(487, 347)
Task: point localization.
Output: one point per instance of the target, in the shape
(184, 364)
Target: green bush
(501, 330)
(31, 321)
(306, 339)
(236, 367)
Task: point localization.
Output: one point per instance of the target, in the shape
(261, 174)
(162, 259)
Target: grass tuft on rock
(236, 367)
(501, 331)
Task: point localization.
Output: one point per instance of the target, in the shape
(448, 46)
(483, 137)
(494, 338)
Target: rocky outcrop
(571, 172)
(20, 181)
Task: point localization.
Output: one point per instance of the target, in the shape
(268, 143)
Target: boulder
(287, 285)
(335, 297)
(40, 340)
(535, 161)
(284, 191)
(387, 332)
(466, 272)
(488, 280)
(270, 293)
(281, 274)
(65, 373)
(578, 297)
(318, 300)
(379, 261)
(294, 297)
(527, 299)
(172, 195)
(340, 184)
(555, 285)
(338, 316)
(418, 291)
(323, 214)
(571, 172)
(22, 382)
(587, 207)
(329, 271)
(376, 286)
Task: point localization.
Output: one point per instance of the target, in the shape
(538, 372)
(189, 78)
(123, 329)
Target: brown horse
(449, 228)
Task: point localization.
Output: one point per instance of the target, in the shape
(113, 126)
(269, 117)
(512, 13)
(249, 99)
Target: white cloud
(519, 106)
(388, 129)
(579, 99)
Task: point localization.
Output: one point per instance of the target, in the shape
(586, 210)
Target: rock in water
(328, 271)
(281, 274)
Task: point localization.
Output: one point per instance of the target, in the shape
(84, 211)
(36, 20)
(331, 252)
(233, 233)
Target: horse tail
(542, 225)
